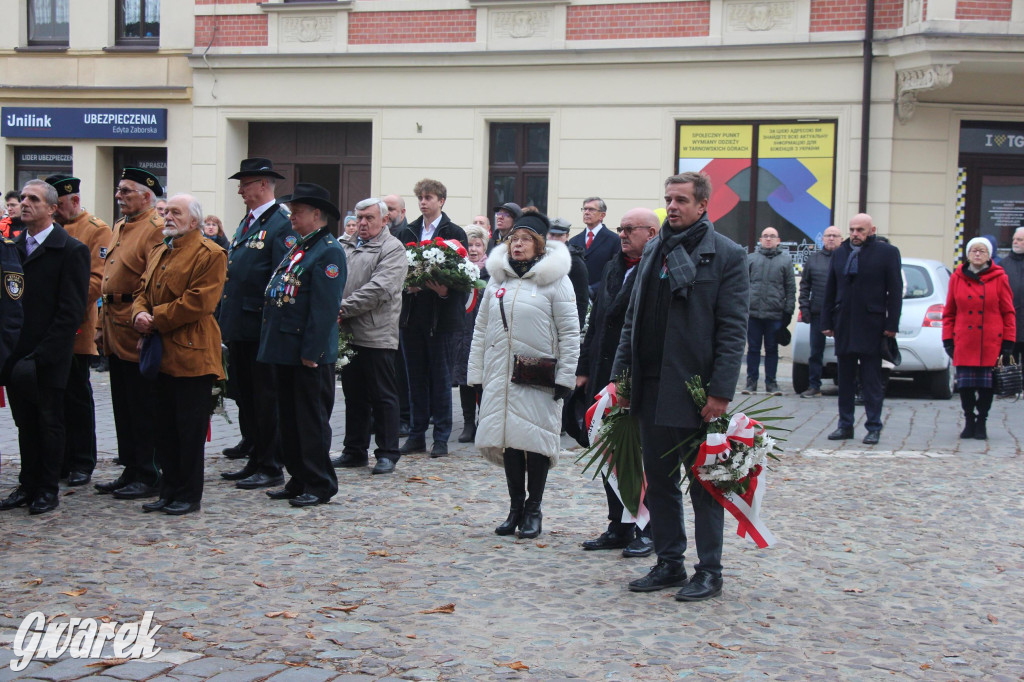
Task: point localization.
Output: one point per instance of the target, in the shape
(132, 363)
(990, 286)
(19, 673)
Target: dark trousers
(976, 401)
(305, 402)
(664, 497)
(402, 381)
(817, 352)
(257, 406)
(371, 401)
(761, 331)
(184, 404)
(870, 369)
(133, 399)
(40, 438)
(79, 419)
(428, 361)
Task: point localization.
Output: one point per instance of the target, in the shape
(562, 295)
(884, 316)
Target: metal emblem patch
(331, 271)
(103, 253)
(14, 282)
(290, 241)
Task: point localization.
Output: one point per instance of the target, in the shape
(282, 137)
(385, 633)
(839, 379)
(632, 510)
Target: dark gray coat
(706, 329)
(812, 283)
(772, 284)
(1014, 266)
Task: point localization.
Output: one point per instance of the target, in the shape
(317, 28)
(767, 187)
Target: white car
(925, 283)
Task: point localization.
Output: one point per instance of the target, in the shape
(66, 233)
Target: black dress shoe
(411, 446)
(702, 586)
(282, 494)
(403, 430)
(179, 508)
(238, 451)
(307, 500)
(384, 466)
(78, 478)
(664, 574)
(841, 434)
(111, 486)
(610, 539)
(44, 502)
(135, 491)
(156, 505)
(244, 472)
(439, 449)
(640, 547)
(468, 434)
(18, 498)
(872, 437)
(260, 480)
(349, 461)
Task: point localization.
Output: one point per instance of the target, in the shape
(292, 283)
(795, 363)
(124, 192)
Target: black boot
(537, 477)
(515, 477)
(468, 398)
(984, 404)
(968, 400)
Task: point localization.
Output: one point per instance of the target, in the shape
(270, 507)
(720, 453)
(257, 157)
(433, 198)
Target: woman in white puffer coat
(520, 425)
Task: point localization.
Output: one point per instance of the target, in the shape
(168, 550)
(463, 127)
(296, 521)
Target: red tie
(248, 222)
(590, 238)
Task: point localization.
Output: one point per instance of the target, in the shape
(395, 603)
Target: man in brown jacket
(79, 408)
(132, 397)
(176, 300)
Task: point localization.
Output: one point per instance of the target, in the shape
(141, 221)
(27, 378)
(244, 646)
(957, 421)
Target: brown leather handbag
(528, 370)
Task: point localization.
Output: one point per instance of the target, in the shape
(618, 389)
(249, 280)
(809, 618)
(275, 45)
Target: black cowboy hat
(256, 166)
(312, 195)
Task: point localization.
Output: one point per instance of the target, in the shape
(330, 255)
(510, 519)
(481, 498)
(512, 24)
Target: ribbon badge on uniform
(14, 282)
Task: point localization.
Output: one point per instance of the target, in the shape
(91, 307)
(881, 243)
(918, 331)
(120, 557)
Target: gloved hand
(562, 392)
(1007, 348)
(805, 316)
(948, 345)
(786, 319)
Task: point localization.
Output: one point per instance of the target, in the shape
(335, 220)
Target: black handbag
(1006, 379)
(527, 370)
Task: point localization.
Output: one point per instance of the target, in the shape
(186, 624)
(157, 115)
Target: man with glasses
(812, 298)
(599, 244)
(132, 396)
(263, 237)
(772, 298)
(504, 217)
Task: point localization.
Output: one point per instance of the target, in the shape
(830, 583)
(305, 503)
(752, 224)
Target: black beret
(144, 178)
(64, 184)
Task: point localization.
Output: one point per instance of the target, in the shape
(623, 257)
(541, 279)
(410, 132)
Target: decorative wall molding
(912, 81)
(760, 16)
(534, 22)
(308, 29)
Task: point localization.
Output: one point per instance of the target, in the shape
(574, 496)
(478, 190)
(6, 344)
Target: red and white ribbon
(606, 400)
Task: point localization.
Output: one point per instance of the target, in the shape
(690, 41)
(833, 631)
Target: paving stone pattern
(902, 560)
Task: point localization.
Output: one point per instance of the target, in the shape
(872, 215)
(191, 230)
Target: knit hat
(536, 222)
(979, 241)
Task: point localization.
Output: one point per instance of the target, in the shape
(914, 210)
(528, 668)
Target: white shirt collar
(430, 228)
(596, 229)
(41, 237)
(260, 210)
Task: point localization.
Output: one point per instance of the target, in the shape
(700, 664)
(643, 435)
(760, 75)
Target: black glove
(948, 345)
(786, 319)
(1007, 348)
(805, 316)
(561, 392)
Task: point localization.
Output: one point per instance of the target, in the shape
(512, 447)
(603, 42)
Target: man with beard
(396, 214)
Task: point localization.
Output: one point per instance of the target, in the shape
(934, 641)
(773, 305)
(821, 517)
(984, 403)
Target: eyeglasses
(520, 239)
(979, 250)
(590, 209)
(626, 229)
(769, 237)
(248, 182)
(124, 190)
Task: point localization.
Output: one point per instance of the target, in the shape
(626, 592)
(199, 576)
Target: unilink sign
(65, 123)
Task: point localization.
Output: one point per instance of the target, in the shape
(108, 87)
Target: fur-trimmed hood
(553, 265)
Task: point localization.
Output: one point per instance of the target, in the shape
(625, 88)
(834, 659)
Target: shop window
(518, 167)
(48, 22)
(152, 159)
(36, 163)
(138, 22)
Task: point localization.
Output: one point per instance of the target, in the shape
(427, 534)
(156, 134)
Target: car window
(916, 282)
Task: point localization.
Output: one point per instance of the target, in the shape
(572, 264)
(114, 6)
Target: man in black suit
(863, 302)
(599, 244)
(56, 283)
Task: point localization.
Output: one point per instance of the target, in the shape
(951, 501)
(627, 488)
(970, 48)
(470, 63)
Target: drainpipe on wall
(865, 106)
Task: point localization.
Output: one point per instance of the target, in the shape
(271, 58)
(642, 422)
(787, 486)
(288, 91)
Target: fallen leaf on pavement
(447, 608)
(855, 590)
(284, 614)
(542, 545)
(435, 478)
(639, 665)
(763, 623)
(828, 652)
(189, 636)
(848, 549)
(76, 593)
(1000, 569)
(716, 645)
(217, 551)
(332, 640)
(35, 581)
(411, 636)
(257, 583)
(515, 665)
(992, 619)
(114, 551)
(107, 663)
(310, 635)
(925, 666)
(295, 665)
(379, 552)
(104, 619)
(346, 609)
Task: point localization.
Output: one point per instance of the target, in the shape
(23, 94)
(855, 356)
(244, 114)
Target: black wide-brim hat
(312, 195)
(256, 166)
(64, 184)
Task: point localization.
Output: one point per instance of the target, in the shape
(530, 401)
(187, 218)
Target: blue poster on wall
(75, 123)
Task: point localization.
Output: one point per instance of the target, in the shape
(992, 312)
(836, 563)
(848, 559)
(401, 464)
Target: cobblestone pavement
(902, 560)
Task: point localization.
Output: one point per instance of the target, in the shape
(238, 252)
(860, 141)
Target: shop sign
(75, 123)
(992, 141)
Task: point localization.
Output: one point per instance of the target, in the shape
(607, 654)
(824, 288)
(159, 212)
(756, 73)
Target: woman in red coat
(978, 325)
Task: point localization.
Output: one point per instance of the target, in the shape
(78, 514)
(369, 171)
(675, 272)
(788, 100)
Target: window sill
(42, 48)
(337, 5)
(513, 3)
(132, 48)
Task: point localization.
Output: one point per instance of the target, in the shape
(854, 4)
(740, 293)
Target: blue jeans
(761, 330)
(817, 352)
(428, 364)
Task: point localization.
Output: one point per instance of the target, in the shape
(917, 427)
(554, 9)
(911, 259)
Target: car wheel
(941, 383)
(801, 378)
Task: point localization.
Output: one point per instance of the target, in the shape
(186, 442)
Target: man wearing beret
(299, 337)
(79, 408)
(132, 396)
(260, 242)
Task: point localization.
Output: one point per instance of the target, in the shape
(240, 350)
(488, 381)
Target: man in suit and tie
(263, 237)
(599, 244)
(55, 284)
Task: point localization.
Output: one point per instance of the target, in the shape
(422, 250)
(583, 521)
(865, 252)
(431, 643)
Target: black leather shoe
(78, 478)
(18, 498)
(349, 461)
(306, 500)
(135, 491)
(871, 438)
(702, 586)
(111, 486)
(664, 574)
(238, 451)
(384, 466)
(468, 434)
(260, 480)
(531, 525)
(179, 508)
(403, 430)
(411, 446)
(44, 502)
(439, 449)
(841, 434)
(610, 539)
(243, 473)
(640, 547)
(282, 494)
(156, 505)
(515, 517)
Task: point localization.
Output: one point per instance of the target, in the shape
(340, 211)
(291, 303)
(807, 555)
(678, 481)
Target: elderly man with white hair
(176, 300)
(1014, 266)
(370, 307)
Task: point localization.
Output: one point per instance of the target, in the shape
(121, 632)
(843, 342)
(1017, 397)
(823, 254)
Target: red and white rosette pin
(500, 293)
